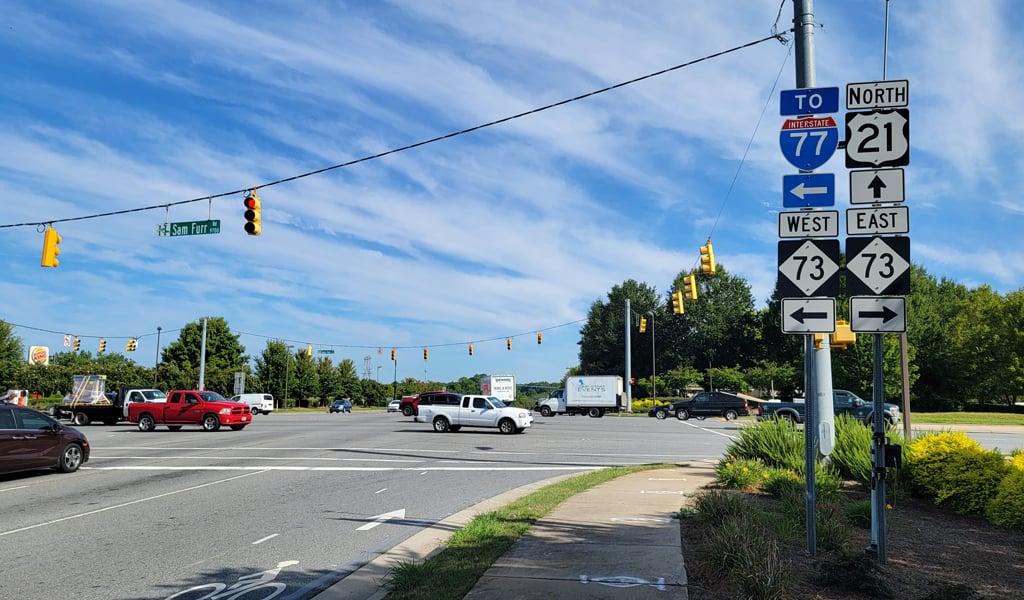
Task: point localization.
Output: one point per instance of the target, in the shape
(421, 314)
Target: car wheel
(211, 423)
(147, 423)
(682, 414)
(595, 413)
(407, 410)
(545, 411)
(255, 411)
(53, 411)
(237, 427)
(441, 425)
(81, 419)
(660, 414)
(174, 427)
(70, 458)
(507, 426)
(730, 415)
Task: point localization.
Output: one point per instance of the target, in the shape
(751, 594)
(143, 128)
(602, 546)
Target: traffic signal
(843, 337)
(130, 346)
(471, 349)
(77, 343)
(425, 354)
(508, 343)
(707, 259)
(690, 286)
(539, 337)
(50, 250)
(103, 345)
(252, 213)
(309, 349)
(677, 302)
(392, 354)
(643, 324)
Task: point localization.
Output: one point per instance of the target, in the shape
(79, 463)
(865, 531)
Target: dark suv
(704, 404)
(410, 405)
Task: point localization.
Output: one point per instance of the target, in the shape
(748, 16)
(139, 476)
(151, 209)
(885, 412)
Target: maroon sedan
(31, 440)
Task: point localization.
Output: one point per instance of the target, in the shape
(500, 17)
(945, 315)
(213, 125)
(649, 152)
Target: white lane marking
(122, 505)
(261, 540)
(383, 518)
(265, 468)
(381, 490)
(267, 448)
(11, 489)
(731, 437)
(295, 458)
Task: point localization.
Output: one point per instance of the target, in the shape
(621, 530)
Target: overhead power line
(774, 36)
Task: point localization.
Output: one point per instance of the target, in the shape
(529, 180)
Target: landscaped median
(470, 551)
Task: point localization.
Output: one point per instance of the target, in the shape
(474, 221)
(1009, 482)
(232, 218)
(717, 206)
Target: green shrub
(739, 474)
(1007, 507)
(715, 506)
(776, 481)
(775, 443)
(956, 472)
(852, 452)
(858, 513)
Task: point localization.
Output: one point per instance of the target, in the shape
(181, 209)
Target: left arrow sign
(809, 315)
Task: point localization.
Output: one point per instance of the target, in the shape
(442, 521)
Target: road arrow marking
(800, 315)
(801, 190)
(384, 518)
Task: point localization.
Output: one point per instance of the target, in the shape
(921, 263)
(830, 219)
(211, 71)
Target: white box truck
(502, 387)
(591, 395)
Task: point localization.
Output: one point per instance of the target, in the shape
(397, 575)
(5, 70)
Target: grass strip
(470, 551)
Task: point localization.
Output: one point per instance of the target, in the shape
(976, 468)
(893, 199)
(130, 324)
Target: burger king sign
(38, 355)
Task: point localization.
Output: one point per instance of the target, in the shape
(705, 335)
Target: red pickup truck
(190, 407)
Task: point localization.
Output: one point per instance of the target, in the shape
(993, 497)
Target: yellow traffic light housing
(843, 337)
(309, 349)
(50, 250)
(539, 337)
(77, 344)
(643, 324)
(677, 302)
(707, 259)
(103, 345)
(471, 349)
(508, 343)
(252, 213)
(690, 286)
(425, 354)
(130, 346)
(392, 354)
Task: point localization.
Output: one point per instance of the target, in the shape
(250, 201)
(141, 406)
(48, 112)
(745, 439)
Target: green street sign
(326, 351)
(188, 228)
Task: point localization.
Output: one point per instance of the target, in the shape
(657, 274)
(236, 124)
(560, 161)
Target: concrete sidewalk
(617, 540)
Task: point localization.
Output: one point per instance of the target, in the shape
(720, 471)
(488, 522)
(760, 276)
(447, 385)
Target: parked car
(31, 440)
(395, 405)
(341, 405)
(258, 403)
(704, 404)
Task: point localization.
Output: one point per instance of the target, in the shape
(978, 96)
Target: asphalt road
(154, 514)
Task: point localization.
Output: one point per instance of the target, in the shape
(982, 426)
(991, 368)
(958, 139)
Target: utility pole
(202, 359)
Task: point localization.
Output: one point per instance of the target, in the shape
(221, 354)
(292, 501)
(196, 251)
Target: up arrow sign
(878, 314)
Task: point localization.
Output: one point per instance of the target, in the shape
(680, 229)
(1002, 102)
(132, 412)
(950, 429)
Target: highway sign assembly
(809, 101)
(879, 138)
(877, 94)
(877, 266)
(878, 314)
(808, 190)
(809, 143)
(877, 185)
(809, 224)
(809, 315)
(808, 268)
(875, 220)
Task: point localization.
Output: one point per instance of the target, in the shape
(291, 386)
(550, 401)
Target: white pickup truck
(475, 411)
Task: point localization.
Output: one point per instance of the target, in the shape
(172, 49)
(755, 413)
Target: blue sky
(112, 105)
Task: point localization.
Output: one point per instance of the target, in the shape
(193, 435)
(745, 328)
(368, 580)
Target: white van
(258, 403)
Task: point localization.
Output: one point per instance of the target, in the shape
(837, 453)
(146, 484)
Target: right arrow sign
(878, 314)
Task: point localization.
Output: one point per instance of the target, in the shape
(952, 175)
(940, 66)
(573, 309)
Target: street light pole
(156, 363)
(654, 371)
(378, 373)
(287, 363)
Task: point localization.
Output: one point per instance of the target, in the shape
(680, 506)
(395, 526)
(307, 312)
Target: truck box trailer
(502, 387)
(592, 395)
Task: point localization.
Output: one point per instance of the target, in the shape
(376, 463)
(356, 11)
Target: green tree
(602, 337)
(12, 353)
(223, 350)
(271, 368)
(348, 379)
(305, 385)
(330, 380)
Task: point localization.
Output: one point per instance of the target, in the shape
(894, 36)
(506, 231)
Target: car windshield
(497, 403)
(154, 395)
(212, 397)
